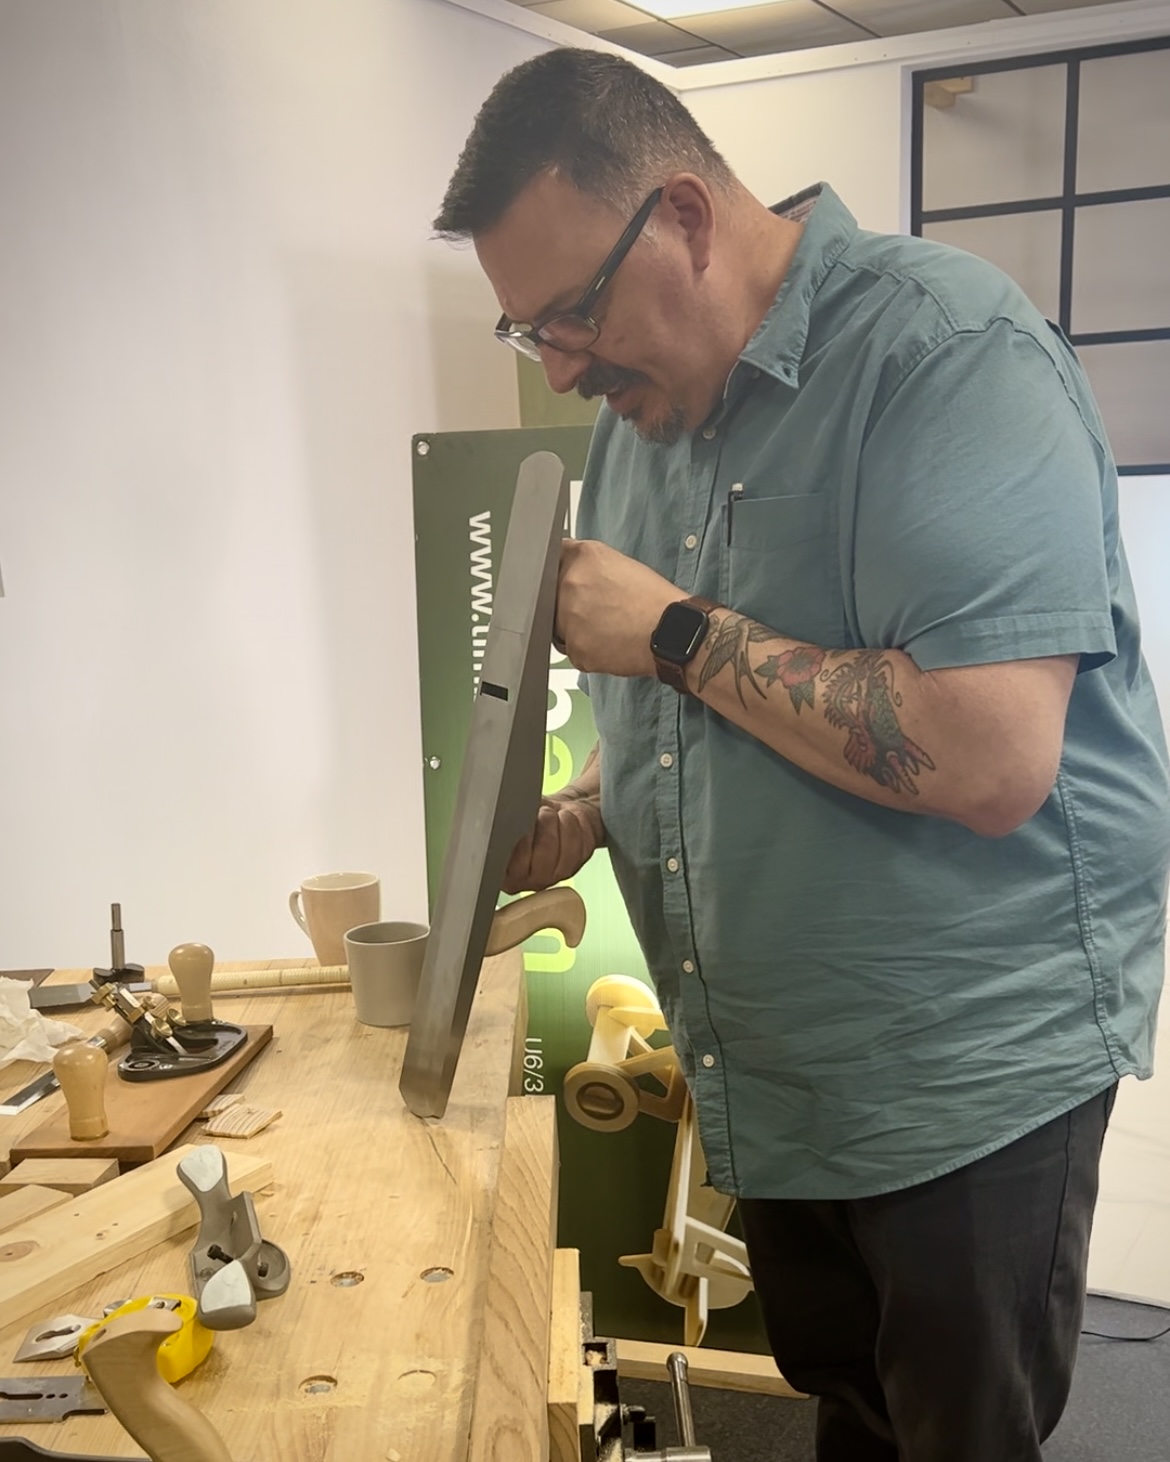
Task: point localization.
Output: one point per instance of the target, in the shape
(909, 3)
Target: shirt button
(690, 541)
(672, 865)
(666, 760)
(709, 433)
(708, 1060)
(688, 966)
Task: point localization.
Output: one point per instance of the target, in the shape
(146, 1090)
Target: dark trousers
(938, 1323)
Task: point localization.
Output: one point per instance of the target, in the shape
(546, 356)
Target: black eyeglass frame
(528, 339)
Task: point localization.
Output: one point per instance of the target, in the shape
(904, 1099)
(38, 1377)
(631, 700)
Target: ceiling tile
(907, 17)
(651, 38)
(785, 25)
(590, 15)
(1045, 7)
(789, 25)
(700, 56)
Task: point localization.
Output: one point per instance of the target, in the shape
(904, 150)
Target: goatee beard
(601, 380)
(663, 433)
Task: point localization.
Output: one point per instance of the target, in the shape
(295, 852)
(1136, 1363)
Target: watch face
(680, 632)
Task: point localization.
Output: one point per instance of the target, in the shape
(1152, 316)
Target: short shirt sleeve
(980, 527)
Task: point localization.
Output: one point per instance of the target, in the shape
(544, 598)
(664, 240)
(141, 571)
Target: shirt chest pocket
(779, 565)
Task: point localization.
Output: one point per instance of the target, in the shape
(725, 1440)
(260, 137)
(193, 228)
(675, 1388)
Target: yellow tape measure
(179, 1353)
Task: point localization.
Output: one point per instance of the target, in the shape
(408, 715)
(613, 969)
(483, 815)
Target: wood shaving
(241, 1121)
(221, 1103)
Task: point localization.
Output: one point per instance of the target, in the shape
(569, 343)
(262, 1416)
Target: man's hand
(567, 833)
(607, 608)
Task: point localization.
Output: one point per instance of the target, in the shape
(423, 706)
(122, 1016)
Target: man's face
(542, 255)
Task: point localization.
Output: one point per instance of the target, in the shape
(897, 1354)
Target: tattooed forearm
(728, 645)
(858, 695)
(861, 699)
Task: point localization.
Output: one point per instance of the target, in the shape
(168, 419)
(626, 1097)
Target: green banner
(613, 1185)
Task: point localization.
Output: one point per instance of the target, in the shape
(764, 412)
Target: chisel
(54, 997)
(109, 1038)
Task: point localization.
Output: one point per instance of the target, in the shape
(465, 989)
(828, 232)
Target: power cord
(1130, 1339)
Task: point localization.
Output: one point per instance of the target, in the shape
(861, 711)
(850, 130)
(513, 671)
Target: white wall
(1131, 1252)
(851, 127)
(221, 319)
(848, 128)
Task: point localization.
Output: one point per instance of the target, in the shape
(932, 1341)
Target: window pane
(1001, 142)
(1145, 527)
(1124, 122)
(1132, 386)
(1024, 245)
(1121, 278)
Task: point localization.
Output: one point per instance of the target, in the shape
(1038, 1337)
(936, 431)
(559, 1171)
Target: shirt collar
(777, 347)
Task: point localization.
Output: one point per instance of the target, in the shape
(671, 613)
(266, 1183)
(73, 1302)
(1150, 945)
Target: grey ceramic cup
(385, 961)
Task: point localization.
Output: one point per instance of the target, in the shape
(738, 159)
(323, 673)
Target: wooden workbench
(387, 1365)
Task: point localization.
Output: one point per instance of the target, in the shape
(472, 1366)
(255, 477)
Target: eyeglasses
(574, 328)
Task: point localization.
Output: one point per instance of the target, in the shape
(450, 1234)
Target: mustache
(600, 380)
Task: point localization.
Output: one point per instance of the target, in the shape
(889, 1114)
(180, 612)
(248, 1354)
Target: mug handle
(294, 908)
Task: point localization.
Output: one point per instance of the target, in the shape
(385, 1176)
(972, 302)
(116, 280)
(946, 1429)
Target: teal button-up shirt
(863, 999)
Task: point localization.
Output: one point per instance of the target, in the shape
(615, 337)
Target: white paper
(26, 1034)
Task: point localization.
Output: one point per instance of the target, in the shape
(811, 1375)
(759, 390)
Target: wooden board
(145, 1117)
(43, 1260)
(565, 1360)
(27, 1203)
(731, 1370)
(68, 1175)
(510, 1416)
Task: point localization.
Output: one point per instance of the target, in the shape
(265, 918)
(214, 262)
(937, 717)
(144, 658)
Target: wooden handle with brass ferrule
(111, 1036)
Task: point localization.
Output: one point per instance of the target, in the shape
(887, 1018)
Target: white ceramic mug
(328, 904)
(385, 962)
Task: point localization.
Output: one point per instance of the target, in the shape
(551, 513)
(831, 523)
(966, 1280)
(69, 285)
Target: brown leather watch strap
(676, 675)
(673, 675)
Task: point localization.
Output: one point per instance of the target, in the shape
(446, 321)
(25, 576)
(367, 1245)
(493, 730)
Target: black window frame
(1066, 202)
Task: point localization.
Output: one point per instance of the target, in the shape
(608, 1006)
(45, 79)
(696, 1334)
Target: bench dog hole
(438, 1275)
(315, 1385)
(417, 1380)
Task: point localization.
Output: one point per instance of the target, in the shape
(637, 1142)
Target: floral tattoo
(795, 670)
(859, 696)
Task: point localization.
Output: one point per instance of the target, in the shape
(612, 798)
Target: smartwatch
(677, 637)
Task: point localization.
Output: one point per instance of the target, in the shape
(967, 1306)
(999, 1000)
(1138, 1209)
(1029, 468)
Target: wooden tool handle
(273, 979)
(81, 1070)
(122, 1361)
(191, 966)
(111, 1036)
(553, 908)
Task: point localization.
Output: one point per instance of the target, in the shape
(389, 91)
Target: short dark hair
(606, 125)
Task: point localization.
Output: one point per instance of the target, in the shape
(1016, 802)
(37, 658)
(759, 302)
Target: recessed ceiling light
(682, 9)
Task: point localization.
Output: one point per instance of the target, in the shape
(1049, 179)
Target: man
(880, 767)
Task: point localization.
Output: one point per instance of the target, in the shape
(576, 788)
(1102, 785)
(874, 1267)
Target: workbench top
(378, 1351)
